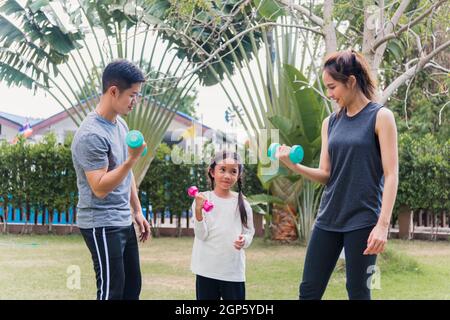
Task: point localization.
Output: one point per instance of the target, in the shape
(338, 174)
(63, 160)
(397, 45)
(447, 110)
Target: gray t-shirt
(99, 143)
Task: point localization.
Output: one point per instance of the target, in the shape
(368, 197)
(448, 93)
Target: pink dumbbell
(207, 206)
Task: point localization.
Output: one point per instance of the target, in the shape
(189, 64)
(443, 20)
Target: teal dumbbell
(135, 139)
(296, 155)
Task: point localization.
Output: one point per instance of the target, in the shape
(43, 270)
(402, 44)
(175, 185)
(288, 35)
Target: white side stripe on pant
(107, 264)
(99, 262)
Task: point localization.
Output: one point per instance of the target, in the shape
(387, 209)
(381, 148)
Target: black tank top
(352, 197)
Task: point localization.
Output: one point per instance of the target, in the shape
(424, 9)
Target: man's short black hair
(122, 74)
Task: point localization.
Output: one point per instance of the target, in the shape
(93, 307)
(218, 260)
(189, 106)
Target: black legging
(321, 257)
(115, 255)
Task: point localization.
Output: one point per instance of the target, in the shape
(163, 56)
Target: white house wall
(8, 133)
(67, 125)
(60, 128)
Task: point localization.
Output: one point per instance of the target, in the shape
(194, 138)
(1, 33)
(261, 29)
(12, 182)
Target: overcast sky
(21, 101)
(212, 101)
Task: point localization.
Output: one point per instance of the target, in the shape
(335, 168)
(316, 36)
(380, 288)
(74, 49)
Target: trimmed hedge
(424, 173)
(41, 176)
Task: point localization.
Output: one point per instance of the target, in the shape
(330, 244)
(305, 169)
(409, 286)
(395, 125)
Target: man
(107, 188)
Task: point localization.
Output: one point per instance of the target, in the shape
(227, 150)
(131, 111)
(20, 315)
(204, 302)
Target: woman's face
(336, 90)
(226, 174)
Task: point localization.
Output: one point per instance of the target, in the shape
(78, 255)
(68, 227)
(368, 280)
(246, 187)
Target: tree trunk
(328, 27)
(5, 216)
(179, 226)
(405, 223)
(22, 216)
(444, 219)
(50, 220)
(74, 214)
(283, 224)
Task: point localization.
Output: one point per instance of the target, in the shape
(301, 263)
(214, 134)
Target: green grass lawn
(36, 267)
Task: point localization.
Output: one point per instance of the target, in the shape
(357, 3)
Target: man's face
(124, 101)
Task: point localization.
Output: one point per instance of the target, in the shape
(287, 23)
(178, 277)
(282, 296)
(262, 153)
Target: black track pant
(321, 257)
(213, 289)
(115, 255)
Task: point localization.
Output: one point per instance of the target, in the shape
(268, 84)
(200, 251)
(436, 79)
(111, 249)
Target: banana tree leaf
(284, 124)
(60, 42)
(263, 198)
(37, 5)
(292, 134)
(287, 189)
(266, 179)
(10, 7)
(317, 85)
(316, 146)
(15, 77)
(308, 107)
(257, 209)
(9, 33)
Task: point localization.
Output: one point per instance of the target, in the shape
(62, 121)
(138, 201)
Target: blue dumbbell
(135, 139)
(296, 155)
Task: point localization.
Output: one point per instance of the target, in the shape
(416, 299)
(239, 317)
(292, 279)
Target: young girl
(359, 166)
(218, 258)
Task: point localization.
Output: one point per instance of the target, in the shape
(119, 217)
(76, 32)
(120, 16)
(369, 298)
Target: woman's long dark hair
(222, 155)
(343, 64)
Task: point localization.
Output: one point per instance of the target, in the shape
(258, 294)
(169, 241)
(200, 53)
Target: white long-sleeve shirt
(213, 254)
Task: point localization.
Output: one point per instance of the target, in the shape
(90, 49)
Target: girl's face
(338, 91)
(225, 174)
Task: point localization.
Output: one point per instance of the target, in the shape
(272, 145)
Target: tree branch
(396, 17)
(437, 66)
(418, 41)
(328, 27)
(410, 72)
(304, 11)
(412, 23)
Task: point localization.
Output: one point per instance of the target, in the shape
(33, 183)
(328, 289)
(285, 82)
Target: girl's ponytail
(241, 204)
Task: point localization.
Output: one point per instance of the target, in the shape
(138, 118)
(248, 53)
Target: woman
(359, 166)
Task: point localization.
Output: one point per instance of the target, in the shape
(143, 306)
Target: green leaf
(307, 105)
(9, 33)
(266, 179)
(59, 41)
(158, 9)
(395, 48)
(36, 5)
(12, 76)
(263, 199)
(285, 125)
(10, 7)
(257, 209)
(269, 9)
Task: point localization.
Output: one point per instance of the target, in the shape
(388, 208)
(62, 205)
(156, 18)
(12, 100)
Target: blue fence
(60, 218)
